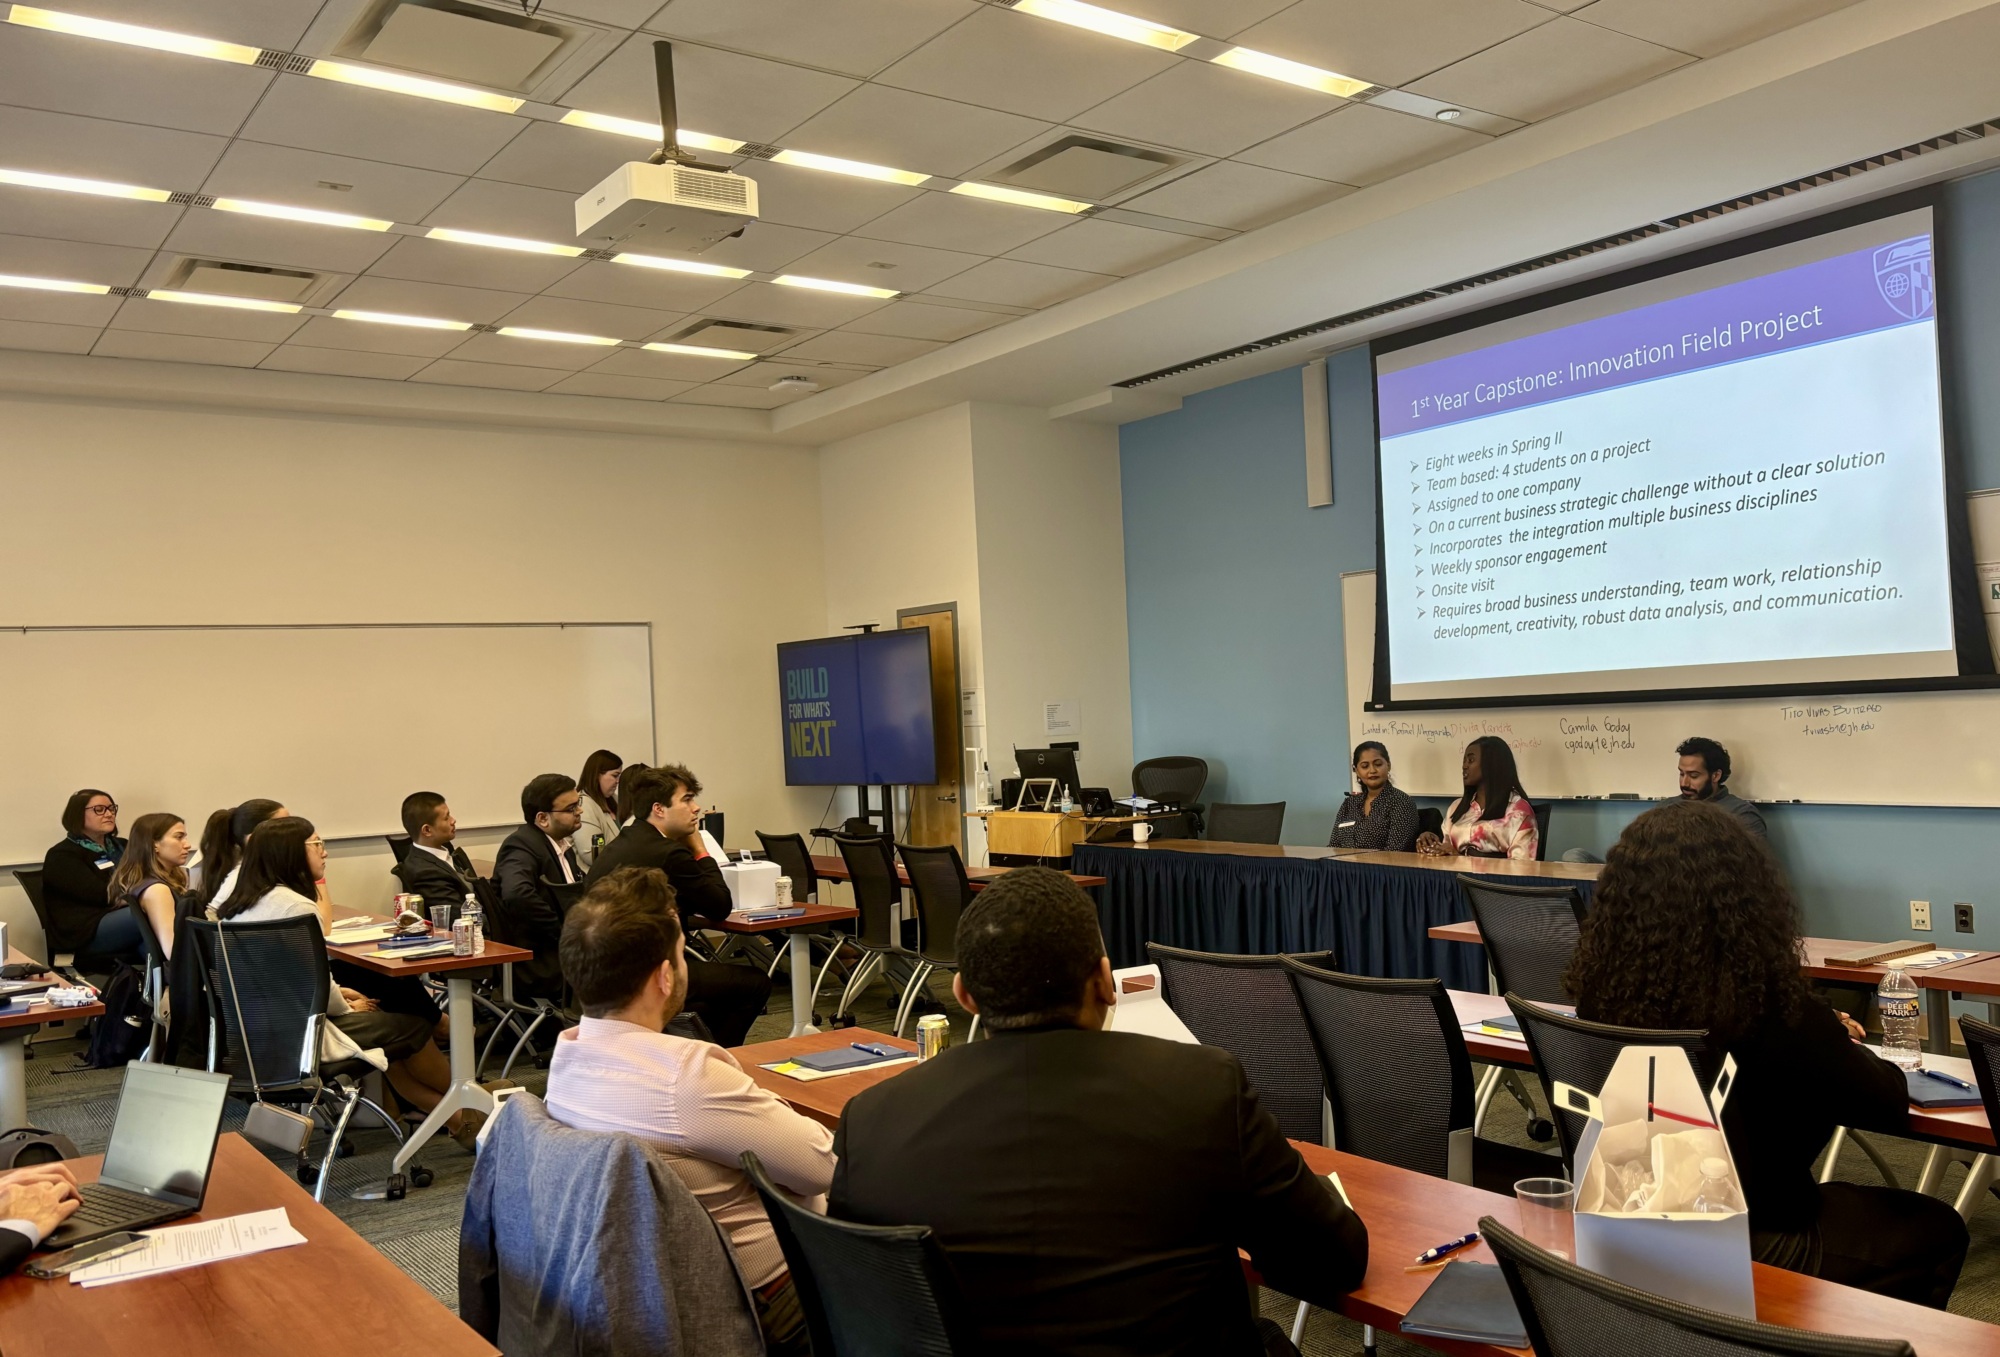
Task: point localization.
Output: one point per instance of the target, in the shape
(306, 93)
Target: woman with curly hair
(1693, 926)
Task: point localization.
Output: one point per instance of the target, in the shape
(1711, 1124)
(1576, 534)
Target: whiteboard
(338, 722)
(1905, 749)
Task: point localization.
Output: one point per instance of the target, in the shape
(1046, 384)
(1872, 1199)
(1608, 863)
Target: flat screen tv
(856, 710)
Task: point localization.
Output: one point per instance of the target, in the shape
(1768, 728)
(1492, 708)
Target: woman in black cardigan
(1379, 816)
(76, 881)
(1693, 926)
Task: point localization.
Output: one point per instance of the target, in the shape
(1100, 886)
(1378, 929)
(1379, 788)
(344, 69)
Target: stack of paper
(347, 931)
(183, 1246)
(794, 1070)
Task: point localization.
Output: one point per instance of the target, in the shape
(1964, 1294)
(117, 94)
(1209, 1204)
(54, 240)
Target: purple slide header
(1877, 288)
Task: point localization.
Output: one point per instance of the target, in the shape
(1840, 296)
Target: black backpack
(119, 1037)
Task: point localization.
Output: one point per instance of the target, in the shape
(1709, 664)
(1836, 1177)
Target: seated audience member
(666, 833)
(1091, 1188)
(76, 877)
(33, 1201)
(282, 861)
(1492, 817)
(1704, 770)
(624, 802)
(534, 862)
(435, 867)
(222, 840)
(1379, 816)
(599, 784)
(1693, 927)
(153, 873)
(622, 953)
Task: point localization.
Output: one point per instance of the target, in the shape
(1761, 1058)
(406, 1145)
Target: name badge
(1348, 824)
(106, 866)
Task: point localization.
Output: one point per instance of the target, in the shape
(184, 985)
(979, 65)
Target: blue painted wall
(1233, 589)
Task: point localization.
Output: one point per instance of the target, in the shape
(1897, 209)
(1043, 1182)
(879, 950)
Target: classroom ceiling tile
(208, 322)
(952, 221)
(277, 24)
(942, 321)
(1109, 247)
(1390, 44)
(66, 74)
(858, 37)
(1208, 109)
(769, 304)
(443, 261)
(998, 58)
(725, 94)
(292, 177)
(763, 375)
(1561, 65)
(567, 159)
(348, 120)
(509, 210)
(911, 131)
(738, 397)
(533, 353)
(287, 244)
(393, 367)
(620, 388)
(670, 367)
(97, 148)
(574, 316)
(847, 346)
(765, 245)
(358, 336)
(1703, 27)
(75, 216)
(1210, 18)
(440, 301)
(499, 376)
(1015, 282)
(1362, 145)
(44, 338)
(617, 13)
(1241, 197)
(75, 261)
(631, 285)
(793, 196)
(912, 268)
(57, 308)
(171, 348)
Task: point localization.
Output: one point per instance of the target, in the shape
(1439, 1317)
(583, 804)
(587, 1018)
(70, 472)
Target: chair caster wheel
(346, 1150)
(308, 1171)
(398, 1187)
(421, 1176)
(1541, 1130)
(843, 1020)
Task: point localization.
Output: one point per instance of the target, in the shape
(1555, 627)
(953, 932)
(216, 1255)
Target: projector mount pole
(670, 136)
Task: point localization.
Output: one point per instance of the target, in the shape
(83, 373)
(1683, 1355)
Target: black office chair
(1541, 829)
(1245, 1005)
(72, 964)
(868, 1290)
(154, 986)
(878, 892)
(794, 859)
(1177, 780)
(399, 845)
(1569, 1311)
(1568, 1050)
(267, 1000)
(1530, 934)
(939, 886)
(1246, 822)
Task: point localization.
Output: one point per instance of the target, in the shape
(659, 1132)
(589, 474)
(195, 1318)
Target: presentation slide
(857, 710)
(1732, 475)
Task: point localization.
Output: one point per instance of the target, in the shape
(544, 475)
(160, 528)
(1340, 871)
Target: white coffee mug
(1142, 831)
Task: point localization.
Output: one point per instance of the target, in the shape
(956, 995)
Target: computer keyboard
(104, 1205)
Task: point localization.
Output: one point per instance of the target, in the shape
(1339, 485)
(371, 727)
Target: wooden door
(936, 811)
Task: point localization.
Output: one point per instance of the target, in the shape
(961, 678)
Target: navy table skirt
(1373, 918)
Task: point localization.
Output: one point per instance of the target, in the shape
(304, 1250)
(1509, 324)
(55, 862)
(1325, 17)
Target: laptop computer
(162, 1145)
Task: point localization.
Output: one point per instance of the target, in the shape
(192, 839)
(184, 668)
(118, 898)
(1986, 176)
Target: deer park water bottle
(472, 912)
(1896, 998)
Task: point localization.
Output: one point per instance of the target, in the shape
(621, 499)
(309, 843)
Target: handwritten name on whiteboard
(1837, 720)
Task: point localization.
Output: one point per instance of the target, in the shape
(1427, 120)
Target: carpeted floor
(420, 1233)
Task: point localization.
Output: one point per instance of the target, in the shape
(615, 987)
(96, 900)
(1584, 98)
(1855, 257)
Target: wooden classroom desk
(835, 869)
(1051, 833)
(816, 916)
(820, 1099)
(1470, 866)
(333, 1296)
(17, 1023)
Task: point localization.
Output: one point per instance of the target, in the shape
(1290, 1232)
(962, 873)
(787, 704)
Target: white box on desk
(1142, 1008)
(752, 885)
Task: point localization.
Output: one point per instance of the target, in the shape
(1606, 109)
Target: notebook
(846, 1058)
(1928, 1092)
(1469, 1302)
(1499, 1025)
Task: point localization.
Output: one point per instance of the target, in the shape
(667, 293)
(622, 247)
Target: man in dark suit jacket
(1091, 1188)
(33, 1201)
(666, 833)
(537, 874)
(435, 867)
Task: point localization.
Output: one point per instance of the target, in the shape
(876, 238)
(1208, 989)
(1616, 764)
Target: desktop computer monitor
(1059, 764)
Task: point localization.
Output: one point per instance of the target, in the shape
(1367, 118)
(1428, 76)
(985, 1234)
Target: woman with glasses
(599, 784)
(76, 881)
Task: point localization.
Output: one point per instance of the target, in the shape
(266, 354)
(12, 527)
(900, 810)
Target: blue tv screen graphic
(856, 710)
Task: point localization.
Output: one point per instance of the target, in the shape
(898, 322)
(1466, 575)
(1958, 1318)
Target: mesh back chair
(794, 859)
(1982, 1045)
(867, 1290)
(937, 880)
(1571, 1312)
(1541, 829)
(399, 846)
(1246, 822)
(270, 1018)
(1245, 1005)
(1176, 779)
(1530, 934)
(1568, 1050)
(75, 963)
(155, 987)
(878, 892)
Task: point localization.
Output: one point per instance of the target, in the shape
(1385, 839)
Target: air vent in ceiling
(453, 40)
(734, 334)
(264, 284)
(1084, 167)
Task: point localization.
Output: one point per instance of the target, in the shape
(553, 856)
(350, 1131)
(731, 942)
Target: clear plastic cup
(441, 918)
(1548, 1214)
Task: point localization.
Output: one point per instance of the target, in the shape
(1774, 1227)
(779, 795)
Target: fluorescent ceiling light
(504, 242)
(306, 214)
(1292, 72)
(52, 284)
(411, 84)
(658, 261)
(29, 179)
(645, 131)
(697, 351)
(860, 169)
(1108, 22)
(414, 322)
(1021, 198)
(215, 299)
(828, 285)
(131, 35)
(558, 336)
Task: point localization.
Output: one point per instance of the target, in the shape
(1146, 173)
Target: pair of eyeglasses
(571, 809)
(315, 843)
(111, 809)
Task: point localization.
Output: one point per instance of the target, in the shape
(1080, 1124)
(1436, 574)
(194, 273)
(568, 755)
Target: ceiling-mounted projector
(671, 202)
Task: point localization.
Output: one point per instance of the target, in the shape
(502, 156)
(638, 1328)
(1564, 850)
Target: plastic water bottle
(1714, 1195)
(472, 912)
(1896, 998)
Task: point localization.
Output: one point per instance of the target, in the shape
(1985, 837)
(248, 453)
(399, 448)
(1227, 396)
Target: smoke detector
(795, 384)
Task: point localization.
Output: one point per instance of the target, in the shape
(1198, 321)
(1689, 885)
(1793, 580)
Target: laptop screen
(164, 1138)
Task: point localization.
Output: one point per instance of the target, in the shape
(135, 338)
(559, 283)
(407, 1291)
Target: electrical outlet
(1920, 915)
(1961, 917)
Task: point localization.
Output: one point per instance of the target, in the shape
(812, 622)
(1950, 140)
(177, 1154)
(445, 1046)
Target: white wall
(123, 513)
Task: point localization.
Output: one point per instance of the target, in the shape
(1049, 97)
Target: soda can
(933, 1035)
(461, 936)
(784, 889)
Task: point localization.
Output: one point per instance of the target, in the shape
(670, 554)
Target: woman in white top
(599, 784)
(1492, 818)
(282, 860)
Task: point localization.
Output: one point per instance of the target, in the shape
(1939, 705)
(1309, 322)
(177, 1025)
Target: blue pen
(876, 1048)
(1944, 1078)
(1450, 1246)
